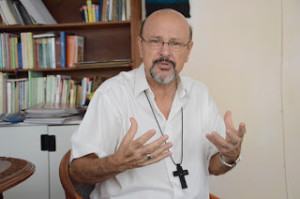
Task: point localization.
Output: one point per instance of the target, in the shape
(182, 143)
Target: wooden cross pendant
(181, 173)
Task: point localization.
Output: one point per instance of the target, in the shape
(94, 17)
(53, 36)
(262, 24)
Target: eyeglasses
(158, 43)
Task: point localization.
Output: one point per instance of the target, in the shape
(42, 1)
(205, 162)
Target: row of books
(105, 10)
(25, 12)
(22, 93)
(40, 51)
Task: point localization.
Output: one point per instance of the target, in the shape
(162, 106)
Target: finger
(145, 137)
(217, 140)
(228, 121)
(232, 137)
(242, 130)
(151, 147)
(132, 131)
(162, 149)
(157, 158)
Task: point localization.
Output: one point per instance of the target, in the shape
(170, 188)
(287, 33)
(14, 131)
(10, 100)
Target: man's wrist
(231, 165)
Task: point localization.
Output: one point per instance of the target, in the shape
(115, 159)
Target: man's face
(164, 61)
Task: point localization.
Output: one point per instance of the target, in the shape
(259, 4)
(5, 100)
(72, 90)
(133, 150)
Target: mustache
(161, 59)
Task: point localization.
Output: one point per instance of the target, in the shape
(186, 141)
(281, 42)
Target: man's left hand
(230, 147)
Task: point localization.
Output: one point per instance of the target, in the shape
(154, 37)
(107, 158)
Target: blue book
(100, 10)
(63, 49)
(20, 61)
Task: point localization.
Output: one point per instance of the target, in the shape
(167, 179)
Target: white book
(3, 77)
(8, 97)
(38, 11)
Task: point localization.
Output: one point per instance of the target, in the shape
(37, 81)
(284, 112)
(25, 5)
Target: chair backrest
(212, 196)
(72, 191)
(65, 179)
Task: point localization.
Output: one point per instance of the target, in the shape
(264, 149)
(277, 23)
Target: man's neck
(164, 94)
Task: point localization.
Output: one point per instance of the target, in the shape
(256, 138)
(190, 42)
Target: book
(90, 10)
(104, 10)
(57, 53)
(18, 14)
(23, 13)
(7, 12)
(63, 49)
(75, 49)
(32, 84)
(38, 11)
(19, 48)
(16, 99)
(24, 49)
(3, 77)
(30, 51)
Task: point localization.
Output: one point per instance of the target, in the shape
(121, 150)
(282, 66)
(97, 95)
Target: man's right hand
(133, 153)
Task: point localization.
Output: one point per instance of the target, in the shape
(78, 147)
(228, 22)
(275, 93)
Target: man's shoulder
(122, 81)
(192, 85)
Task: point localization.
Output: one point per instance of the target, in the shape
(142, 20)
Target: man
(150, 133)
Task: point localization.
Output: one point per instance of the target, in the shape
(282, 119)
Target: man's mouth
(164, 63)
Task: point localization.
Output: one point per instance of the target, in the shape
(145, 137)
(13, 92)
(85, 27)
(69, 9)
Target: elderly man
(150, 132)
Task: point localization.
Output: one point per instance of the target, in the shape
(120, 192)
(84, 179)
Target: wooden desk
(13, 171)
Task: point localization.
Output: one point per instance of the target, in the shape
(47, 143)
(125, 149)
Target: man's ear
(189, 49)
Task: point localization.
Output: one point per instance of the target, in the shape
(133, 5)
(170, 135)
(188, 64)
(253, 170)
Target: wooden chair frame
(70, 191)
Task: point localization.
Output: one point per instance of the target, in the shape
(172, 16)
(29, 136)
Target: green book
(32, 87)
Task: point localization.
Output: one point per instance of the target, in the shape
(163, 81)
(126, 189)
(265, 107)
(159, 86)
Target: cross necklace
(179, 171)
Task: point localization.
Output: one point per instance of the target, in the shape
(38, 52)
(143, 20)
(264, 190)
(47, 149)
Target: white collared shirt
(107, 122)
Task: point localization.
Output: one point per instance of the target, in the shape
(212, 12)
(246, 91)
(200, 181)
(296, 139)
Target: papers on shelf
(103, 64)
(58, 120)
(52, 114)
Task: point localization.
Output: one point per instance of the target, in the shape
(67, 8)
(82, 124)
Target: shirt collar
(141, 83)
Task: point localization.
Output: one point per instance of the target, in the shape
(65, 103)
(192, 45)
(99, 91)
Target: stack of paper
(52, 114)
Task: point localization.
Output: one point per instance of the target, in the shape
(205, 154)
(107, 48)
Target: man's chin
(164, 79)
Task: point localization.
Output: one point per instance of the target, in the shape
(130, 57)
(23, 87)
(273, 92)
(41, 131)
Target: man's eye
(175, 43)
(154, 41)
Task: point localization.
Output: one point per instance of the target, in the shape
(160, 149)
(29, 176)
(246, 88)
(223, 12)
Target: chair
(72, 191)
(79, 191)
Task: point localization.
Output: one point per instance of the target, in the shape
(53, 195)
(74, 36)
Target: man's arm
(229, 148)
(91, 169)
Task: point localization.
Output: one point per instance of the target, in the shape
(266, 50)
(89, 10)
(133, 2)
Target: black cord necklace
(179, 171)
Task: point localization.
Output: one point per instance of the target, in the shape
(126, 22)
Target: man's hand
(133, 153)
(230, 147)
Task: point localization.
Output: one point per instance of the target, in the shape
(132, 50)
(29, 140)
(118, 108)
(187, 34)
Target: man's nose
(165, 48)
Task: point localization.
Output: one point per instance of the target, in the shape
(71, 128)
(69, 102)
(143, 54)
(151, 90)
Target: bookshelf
(103, 41)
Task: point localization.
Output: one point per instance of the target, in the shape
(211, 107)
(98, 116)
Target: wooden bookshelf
(103, 40)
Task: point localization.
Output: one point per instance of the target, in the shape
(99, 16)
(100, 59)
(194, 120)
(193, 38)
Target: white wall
(246, 54)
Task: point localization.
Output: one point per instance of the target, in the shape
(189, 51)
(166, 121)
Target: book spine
(100, 10)
(71, 50)
(30, 54)
(97, 14)
(63, 48)
(24, 50)
(57, 52)
(90, 10)
(20, 61)
(93, 12)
